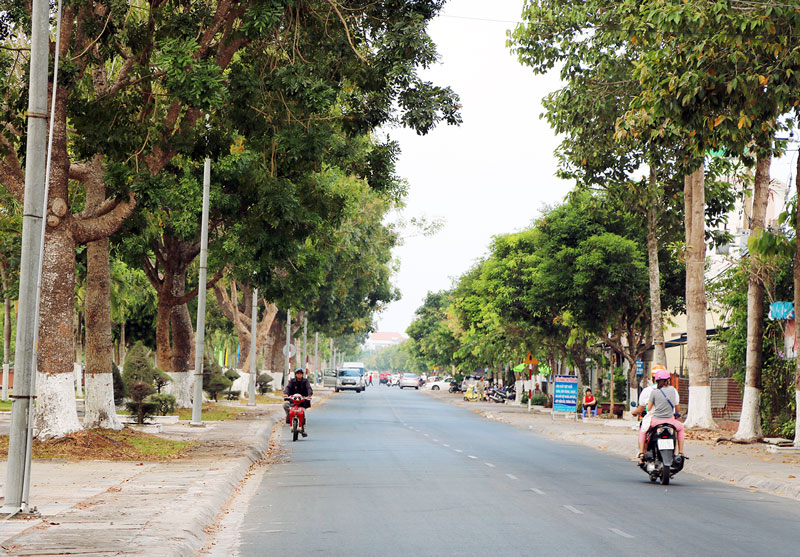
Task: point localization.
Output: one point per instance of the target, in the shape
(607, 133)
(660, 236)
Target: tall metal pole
(30, 263)
(305, 345)
(330, 348)
(200, 336)
(287, 359)
(253, 355)
(316, 357)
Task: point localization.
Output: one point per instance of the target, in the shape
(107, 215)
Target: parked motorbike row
(492, 394)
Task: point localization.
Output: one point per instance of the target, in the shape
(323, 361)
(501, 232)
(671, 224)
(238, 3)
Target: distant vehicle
(329, 378)
(439, 384)
(350, 379)
(355, 365)
(409, 380)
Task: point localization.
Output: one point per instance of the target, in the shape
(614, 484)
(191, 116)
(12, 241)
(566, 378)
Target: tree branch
(96, 228)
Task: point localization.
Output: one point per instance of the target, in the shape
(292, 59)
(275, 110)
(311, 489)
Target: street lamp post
(197, 402)
(253, 355)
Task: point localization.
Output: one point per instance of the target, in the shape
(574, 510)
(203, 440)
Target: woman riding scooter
(663, 407)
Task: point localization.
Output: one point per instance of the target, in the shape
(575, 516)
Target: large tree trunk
(699, 413)
(750, 421)
(4, 284)
(182, 343)
(100, 408)
(657, 320)
(56, 414)
(163, 346)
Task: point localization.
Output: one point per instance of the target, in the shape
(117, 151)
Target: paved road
(391, 472)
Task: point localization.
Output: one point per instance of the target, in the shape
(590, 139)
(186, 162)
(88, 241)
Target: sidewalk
(748, 466)
(141, 508)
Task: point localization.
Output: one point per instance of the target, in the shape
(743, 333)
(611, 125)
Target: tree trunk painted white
(750, 421)
(100, 409)
(6, 369)
(657, 320)
(181, 388)
(796, 414)
(56, 415)
(77, 370)
(699, 413)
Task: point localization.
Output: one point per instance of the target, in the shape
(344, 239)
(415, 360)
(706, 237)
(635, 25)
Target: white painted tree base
(699, 414)
(100, 409)
(181, 388)
(77, 369)
(55, 415)
(750, 420)
(796, 420)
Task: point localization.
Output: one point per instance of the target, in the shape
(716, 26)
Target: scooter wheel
(295, 431)
(665, 472)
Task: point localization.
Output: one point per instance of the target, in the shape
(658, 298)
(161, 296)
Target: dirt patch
(106, 444)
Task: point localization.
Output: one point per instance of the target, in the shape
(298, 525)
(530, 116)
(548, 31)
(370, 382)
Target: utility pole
(287, 349)
(316, 357)
(330, 347)
(253, 355)
(200, 337)
(17, 484)
(305, 345)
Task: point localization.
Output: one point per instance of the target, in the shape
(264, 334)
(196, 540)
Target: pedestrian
(589, 403)
(370, 379)
(481, 386)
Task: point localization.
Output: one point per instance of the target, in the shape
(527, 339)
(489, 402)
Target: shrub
(166, 403)
(120, 389)
(138, 366)
(160, 379)
(540, 400)
(263, 382)
(233, 395)
(139, 405)
(214, 382)
(232, 376)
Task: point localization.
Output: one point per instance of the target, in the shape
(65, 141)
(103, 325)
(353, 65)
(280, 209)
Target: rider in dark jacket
(297, 385)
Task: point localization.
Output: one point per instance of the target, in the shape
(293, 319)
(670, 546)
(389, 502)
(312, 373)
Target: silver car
(409, 380)
(350, 379)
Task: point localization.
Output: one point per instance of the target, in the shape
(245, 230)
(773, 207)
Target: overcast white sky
(488, 176)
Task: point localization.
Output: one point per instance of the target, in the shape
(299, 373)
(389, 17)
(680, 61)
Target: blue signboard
(565, 395)
(639, 367)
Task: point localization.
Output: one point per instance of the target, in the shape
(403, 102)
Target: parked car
(329, 378)
(439, 383)
(350, 379)
(409, 380)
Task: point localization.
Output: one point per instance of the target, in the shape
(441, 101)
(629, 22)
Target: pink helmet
(659, 374)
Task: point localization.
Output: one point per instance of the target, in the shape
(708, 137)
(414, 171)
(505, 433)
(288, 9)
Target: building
(382, 339)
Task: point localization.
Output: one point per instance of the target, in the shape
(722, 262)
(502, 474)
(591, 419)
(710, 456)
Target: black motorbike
(660, 461)
(454, 387)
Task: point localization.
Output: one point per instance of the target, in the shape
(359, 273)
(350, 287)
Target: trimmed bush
(263, 382)
(139, 405)
(120, 390)
(166, 403)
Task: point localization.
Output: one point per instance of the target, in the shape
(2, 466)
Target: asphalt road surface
(390, 472)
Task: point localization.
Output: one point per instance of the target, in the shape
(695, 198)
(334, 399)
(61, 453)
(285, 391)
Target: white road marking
(572, 509)
(426, 435)
(511, 477)
(445, 445)
(458, 450)
(621, 533)
(435, 440)
(489, 464)
(475, 457)
(539, 491)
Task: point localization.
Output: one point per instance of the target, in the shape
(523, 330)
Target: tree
(135, 84)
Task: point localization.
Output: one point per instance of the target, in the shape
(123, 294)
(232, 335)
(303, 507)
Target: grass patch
(269, 399)
(5, 405)
(212, 412)
(106, 444)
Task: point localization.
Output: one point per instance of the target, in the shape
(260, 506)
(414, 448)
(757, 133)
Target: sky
(490, 175)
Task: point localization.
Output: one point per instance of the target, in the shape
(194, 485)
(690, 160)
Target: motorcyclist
(663, 407)
(297, 385)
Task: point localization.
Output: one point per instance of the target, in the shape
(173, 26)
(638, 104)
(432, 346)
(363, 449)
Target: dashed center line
(474, 457)
(426, 435)
(511, 477)
(445, 445)
(538, 491)
(458, 450)
(489, 464)
(435, 440)
(619, 532)
(572, 509)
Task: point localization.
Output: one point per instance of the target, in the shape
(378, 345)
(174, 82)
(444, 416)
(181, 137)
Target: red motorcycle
(297, 415)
